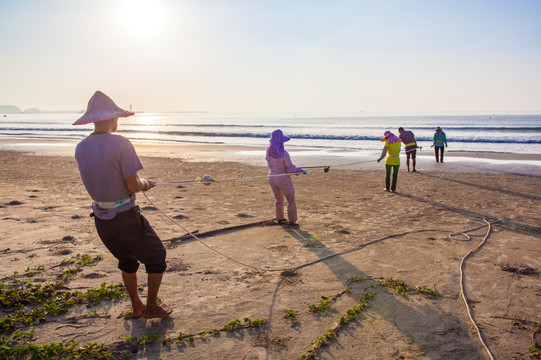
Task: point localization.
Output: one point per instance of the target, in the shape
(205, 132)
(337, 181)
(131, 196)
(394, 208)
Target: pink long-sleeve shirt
(281, 165)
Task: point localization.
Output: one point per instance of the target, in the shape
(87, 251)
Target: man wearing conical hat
(108, 165)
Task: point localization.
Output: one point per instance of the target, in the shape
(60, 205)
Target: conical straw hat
(101, 107)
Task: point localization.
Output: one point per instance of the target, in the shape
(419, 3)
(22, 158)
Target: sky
(344, 56)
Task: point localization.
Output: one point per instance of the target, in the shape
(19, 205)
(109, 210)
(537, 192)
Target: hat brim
(90, 118)
(285, 138)
(280, 139)
(100, 108)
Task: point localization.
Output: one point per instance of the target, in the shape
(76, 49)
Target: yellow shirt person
(392, 148)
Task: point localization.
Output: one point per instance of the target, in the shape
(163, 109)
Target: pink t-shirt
(105, 160)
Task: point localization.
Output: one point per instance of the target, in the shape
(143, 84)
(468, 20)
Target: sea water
(359, 132)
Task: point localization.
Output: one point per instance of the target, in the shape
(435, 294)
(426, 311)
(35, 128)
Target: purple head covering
(390, 137)
(276, 147)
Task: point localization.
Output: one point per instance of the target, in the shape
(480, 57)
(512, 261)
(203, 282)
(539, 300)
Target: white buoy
(207, 179)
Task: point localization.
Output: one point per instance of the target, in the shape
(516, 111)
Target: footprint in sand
(13, 203)
(177, 266)
(149, 208)
(61, 251)
(94, 275)
(242, 215)
(81, 328)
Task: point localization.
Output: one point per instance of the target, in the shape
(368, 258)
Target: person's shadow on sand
(150, 328)
(414, 322)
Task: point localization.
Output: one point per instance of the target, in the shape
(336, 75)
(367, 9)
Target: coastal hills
(10, 109)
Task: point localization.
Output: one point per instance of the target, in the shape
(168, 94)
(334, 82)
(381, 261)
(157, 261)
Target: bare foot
(157, 312)
(137, 313)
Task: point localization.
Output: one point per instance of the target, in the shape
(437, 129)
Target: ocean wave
(485, 128)
(45, 129)
(360, 127)
(169, 135)
(335, 124)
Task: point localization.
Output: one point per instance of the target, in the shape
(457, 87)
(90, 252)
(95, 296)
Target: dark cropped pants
(131, 239)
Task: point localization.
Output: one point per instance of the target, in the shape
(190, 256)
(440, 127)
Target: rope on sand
(452, 235)
(203, 243)
(207, 179)
(368, 161)
(221, 230)
(462, 280)
(355, 163)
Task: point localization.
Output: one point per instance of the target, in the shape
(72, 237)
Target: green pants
(388, 169)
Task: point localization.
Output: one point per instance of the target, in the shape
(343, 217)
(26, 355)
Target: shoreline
(456, 161)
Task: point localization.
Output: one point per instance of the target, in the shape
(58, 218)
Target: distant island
(12, 109)
(9, 109)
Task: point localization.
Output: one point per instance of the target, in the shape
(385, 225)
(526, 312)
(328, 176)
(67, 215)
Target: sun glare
(142, 16)
(146, 119)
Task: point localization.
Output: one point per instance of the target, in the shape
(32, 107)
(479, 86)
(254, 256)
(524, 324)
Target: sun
(142, 17)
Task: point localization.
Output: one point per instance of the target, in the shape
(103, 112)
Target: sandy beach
(352, 235)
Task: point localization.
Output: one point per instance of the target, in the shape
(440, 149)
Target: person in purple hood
(280, 166)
